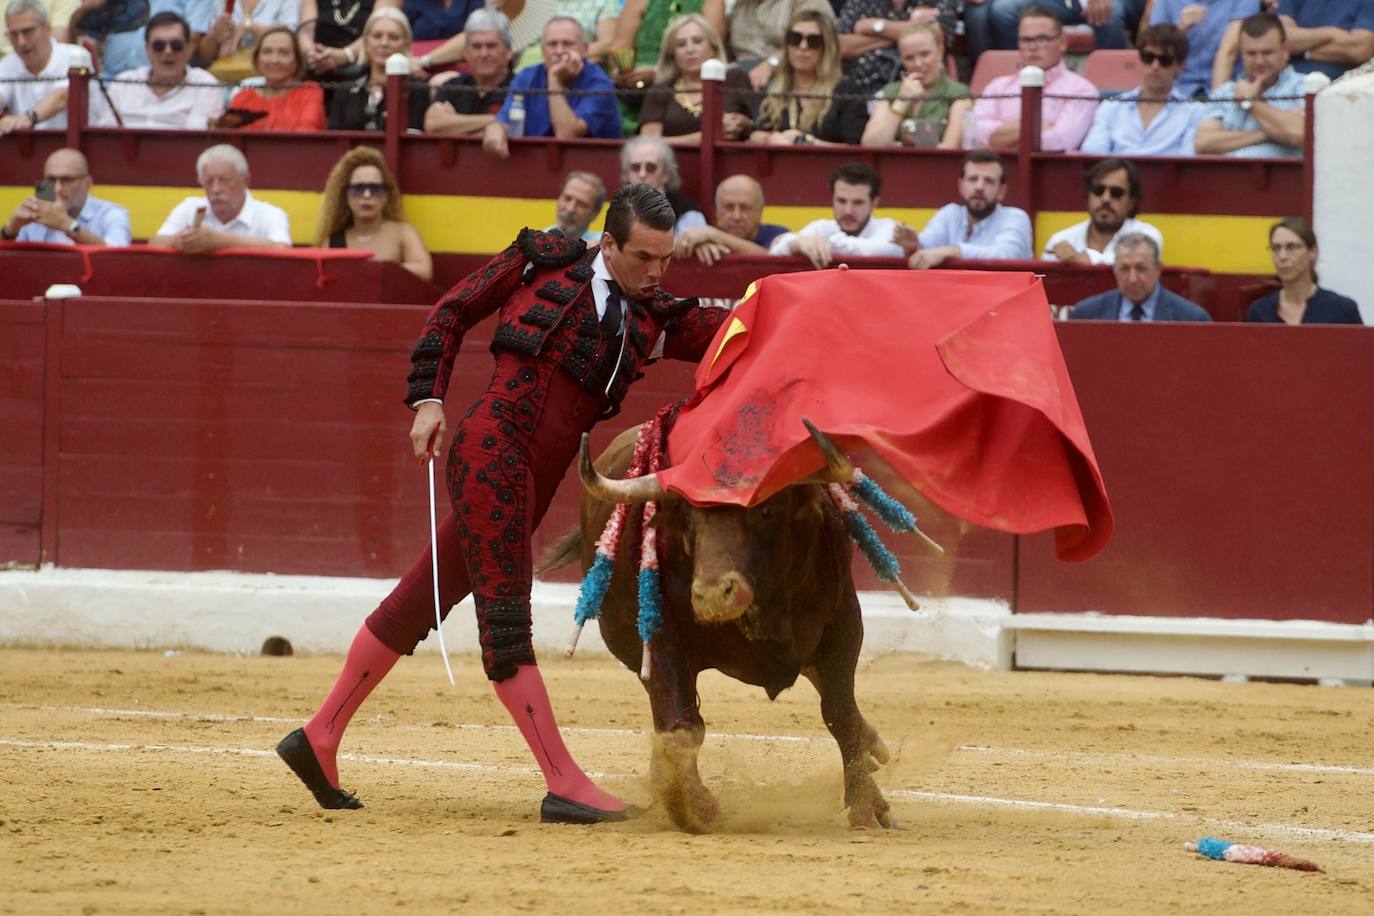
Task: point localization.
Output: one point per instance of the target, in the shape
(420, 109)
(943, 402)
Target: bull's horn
(634, 490)
(838, 468)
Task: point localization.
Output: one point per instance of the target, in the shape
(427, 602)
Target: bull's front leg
(862, 751)
(678, 735)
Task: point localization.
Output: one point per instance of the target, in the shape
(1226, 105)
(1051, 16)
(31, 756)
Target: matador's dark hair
(638, 203)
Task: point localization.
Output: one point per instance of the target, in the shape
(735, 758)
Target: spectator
(362, 106)
(231, 31)
(1154, 119)
(636, 46)
(1138, 295)
(833, 114)
(362, 208)
(673, 106)
(598, 19)
(1293, 248)
(554, 114)
(168, 93)
(651, 161)
(1112, 187)
(58, 13)
(925, 107)
(1064, 121)
(1329, 36)
(870, 31)
(437, 20)
(855, 231)
(1262, 114)
(579, 204)
(739, 227)
(331, 34)
(757, 30)
(33, 79)
(1112, 20)
(71, 216)
(233, 217)
(1204, 23)
(469, 102)
(282, 102)
(979, 227)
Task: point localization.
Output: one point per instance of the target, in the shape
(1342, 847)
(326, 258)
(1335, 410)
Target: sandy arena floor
(141, 783)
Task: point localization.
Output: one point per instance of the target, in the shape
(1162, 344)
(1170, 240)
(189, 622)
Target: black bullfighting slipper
(555, 809)
(295, 749)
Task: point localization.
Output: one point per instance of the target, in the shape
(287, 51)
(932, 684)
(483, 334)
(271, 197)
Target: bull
(762, 594)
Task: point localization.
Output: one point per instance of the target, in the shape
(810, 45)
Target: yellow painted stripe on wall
(1221, 244)
(484, 225)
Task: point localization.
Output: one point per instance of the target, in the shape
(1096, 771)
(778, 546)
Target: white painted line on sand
(1208, 764)
(1292, 831)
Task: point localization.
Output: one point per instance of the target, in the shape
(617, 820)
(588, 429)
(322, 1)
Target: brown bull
(760, 594)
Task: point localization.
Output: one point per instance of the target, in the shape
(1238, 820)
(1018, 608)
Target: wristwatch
(34, 120)
(773, 62)
(1247, 104)
(879, 26)
(75, 228)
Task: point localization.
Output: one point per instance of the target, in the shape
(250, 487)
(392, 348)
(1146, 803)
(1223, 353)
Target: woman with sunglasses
(362, 106)
(925, 107)
(362, 208)
(811, 67)
(672, 108)
(756, 32)
(283, 102)
(1293, 248)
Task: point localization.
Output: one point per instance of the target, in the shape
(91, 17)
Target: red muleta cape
(954, 378)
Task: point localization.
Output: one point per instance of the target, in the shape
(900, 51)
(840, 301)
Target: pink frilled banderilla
(1226, 851)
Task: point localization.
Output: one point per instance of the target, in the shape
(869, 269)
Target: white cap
(713, 70)
(78, 58)
(1315, 82)
(63, 291)
(398, 65)
(1032, 76)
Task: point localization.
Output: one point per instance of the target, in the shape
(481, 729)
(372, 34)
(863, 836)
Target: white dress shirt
(874, 240)
(188, 106)
(1077, 236)
(255, 219)
(28, 89)
(601, 294)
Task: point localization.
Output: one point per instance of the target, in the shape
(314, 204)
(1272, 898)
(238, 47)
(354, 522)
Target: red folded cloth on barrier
(954, 378)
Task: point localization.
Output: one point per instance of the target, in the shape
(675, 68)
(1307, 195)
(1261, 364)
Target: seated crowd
(1222, 78)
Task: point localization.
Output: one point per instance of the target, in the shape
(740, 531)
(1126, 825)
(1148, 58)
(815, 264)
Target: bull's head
(728, 544)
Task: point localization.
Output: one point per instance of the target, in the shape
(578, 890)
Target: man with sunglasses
(168, 93)
(1066, 110)
(72, 216)
(228, 215)
(1112, 187)
(651, 161)
(1153, 119)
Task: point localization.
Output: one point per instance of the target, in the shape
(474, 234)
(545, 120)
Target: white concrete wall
(1343, 215)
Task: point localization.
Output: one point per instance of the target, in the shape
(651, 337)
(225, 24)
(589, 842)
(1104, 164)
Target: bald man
(739, 228)
(65, 213)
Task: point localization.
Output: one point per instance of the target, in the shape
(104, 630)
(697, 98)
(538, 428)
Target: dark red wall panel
(1240, 465)
(22, 366)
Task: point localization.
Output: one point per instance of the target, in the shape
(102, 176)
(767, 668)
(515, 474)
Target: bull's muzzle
(721, 599)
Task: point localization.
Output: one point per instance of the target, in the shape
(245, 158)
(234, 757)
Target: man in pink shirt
(1063, 122)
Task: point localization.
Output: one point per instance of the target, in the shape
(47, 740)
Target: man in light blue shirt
(73, 216)
(1261, 114)
(1154, 119)
(980, 227)
(1205, 23)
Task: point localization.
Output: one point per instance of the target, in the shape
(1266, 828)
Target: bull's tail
(563, 551)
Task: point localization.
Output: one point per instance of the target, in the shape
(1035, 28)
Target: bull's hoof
(691, 809)
(555, 809)
(871, 817)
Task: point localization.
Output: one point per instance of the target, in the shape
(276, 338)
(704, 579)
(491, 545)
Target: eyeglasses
(1102, 190)
(159, 45)
(648, 168)
(1165, 60)
(367, 189)
(810, 40)
(1286, 247)
(63, 179)
(1030, 41)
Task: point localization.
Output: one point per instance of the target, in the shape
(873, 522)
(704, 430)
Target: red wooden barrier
(22, 367)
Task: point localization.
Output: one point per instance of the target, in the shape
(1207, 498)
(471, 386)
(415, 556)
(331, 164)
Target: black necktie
(610, 322)
(1137, 311)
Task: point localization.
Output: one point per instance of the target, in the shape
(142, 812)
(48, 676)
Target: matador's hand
(427, 432)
